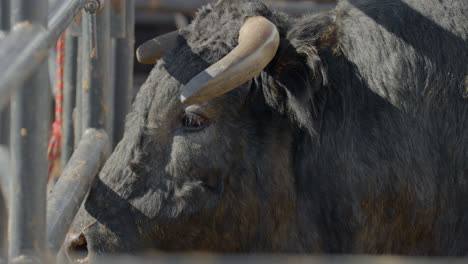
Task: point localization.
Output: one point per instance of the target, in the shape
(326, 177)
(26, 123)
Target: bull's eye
(193, 121)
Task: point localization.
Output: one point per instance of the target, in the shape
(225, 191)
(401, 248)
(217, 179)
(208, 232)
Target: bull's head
(204, 166)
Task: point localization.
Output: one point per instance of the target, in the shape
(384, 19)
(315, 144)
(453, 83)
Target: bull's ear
(293, 81)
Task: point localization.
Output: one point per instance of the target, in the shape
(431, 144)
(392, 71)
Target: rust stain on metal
(86, 85)
(76, 170)
(116, 4)
(78, 18)
(94, 53)
(23, 132)
(104, 107)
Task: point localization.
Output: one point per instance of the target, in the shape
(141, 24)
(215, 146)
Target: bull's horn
(153, 50)
(258, 44)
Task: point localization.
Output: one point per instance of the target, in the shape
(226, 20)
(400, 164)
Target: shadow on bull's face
(169, 184)
(202, 176)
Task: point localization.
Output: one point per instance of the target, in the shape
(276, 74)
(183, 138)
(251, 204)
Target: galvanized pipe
(4, 193)
(5, 125)
(27, 46)
(5, 171)
(78, 111)
(69, 97)
(30, 121)
(97, 97)
(3, 228)
(73, 185)
(123, 71)
(4, 14)
(61, 17)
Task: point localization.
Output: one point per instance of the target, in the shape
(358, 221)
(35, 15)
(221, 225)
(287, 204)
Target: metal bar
(69, 96)
(25, 56)
(4, 194)
(118, 17)
(73, 185)
(30, 121)
(4, 190)
(5, 125)
(203, 258)
(5, 14)
(78, 111)
(5, 111)
(124, 56)
(4, 155)
(97, 97)
(5, 171)
(3, 228)
(62, 16)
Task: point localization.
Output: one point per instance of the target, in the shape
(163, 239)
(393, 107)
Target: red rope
(55, 142)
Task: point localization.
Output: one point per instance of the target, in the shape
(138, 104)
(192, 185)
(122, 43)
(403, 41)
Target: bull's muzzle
(76, 248)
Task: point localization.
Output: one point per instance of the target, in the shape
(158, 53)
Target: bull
(342, 132)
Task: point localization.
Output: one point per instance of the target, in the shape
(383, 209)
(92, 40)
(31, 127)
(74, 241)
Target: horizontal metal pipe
(73, 185)
(26, 47)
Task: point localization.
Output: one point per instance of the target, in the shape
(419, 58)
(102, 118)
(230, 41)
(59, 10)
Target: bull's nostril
(77, 248)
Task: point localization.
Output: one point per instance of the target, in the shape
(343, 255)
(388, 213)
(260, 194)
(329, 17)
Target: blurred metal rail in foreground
(26, 47)
(71, 188)
(276, 259)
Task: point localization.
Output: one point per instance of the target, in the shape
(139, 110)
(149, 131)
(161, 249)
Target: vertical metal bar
(5, 14)
(4, 125)
(4, 173)
(78, 111)
(3, 228)
(5, 112)
(69, 96)
(97, 98)
(124, 55)
(4, 140)
(30, 112)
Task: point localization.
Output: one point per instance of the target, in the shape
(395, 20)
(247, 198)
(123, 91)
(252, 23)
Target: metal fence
(97, 84)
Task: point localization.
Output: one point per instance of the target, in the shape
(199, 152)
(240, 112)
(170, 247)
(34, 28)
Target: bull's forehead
(168, 79)
(211, 36)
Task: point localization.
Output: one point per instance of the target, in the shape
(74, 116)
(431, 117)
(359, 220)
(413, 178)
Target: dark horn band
(258, 43)
(153, 50)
